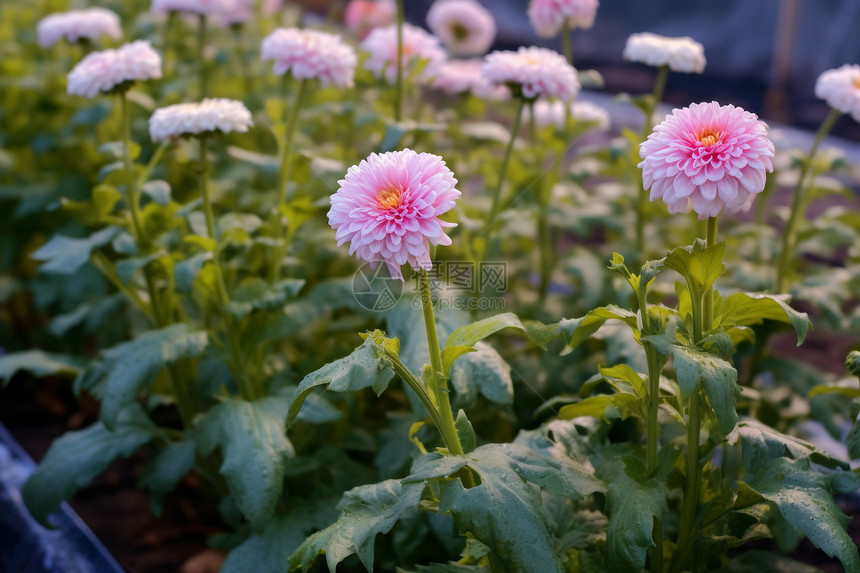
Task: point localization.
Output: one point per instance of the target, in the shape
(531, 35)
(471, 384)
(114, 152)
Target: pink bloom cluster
(840, 88)
(103, 71)
(709, 157)
(222, 12)
(309, 54)
(388, 208)
(464, 26)
(548, 16)
(362, 16)
(537, 72)
(464, 76)
(76, 25)
(381, 44)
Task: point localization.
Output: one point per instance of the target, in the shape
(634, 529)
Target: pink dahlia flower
(464, 76)
(464, 26)
(388, 208)
(534, 71)
(381, 43)
(210, 116)
(103, 71)
(548, 16)
(76, 25)
(707, 156)
(840, 88)
(362, 16)
(309, 54)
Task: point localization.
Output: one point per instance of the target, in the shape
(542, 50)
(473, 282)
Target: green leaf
(852, 363)
(38, 363)
(253, 441)
(164, 471)
(804, 498)
(451, 354)
(362, 368)
(126, 268)
(65, 255)
(260, 295)
(158, 191)
(699, 264)
(757, 561)
(187, 270)
(77, 457)
(465, 432)
(470, 334)
(130, 366)
(578, 330)
(365, 511)
(483, 371)
(744, 309)
(603, 406)
(761, 443)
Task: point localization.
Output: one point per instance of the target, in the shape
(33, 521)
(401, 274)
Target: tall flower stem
(703, 312)
(643, 200)
(445, 419)
(566, 45)
(797, 205)
(497, 196)
(240, 369)
(398, 95)
(283, 181)
(201, 53)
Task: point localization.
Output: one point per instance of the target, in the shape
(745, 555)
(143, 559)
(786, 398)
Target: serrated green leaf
(361, 369)
(699, 264)
(77, 457)
(365, 511)
(253, 441)
(483, 371)
(744, 309)
(578, 330)
(164, 471)
(761, 443)
(38, 363)
(65, 255)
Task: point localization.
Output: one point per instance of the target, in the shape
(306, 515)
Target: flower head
(309, 54)
(388, 208)
(206, 7)
(534, 72)
(681, 54)
(707, 156)
(76, 25)
(381, 43)
(109, 69)
(464, 26)
(548, 16)
(840, 88)
(554, 112)
(464, 76)
(216, 115)
(362, 16)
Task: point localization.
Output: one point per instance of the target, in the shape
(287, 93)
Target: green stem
(398, 95)
(445, 423)
(566, 45)
(797, 205)
(201, 53)
(240, 370)
(283, 180)
(708, 310)
(497, 196)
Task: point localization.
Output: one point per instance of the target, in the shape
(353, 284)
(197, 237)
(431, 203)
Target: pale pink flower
(103, 71)
(555, 113)
(548, 16)
(309, 54)
(840, 88)
(388, 209)
(533, 71)
(215, 115)
(464, 76)
(464, 26)
(418, 45)
(233, 12)
(76, 25)
(362, 16)
(683, 54)
(709, 157)
(205, 7)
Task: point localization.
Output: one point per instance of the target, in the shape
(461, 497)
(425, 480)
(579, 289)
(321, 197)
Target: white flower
(555, 112)
(462, 76)
(537, 72)
(103, 71)
(680, 54)
(548, 16)
(840, 88)
(309, 54)
(209, 116)
(76, 25)
(592, 113)
(205, 7)
(464, 26)
(381, 43)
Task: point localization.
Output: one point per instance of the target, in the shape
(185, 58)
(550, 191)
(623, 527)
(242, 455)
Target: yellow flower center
(857, 82)
(708, 137)
(459, 31)
(389, 198)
